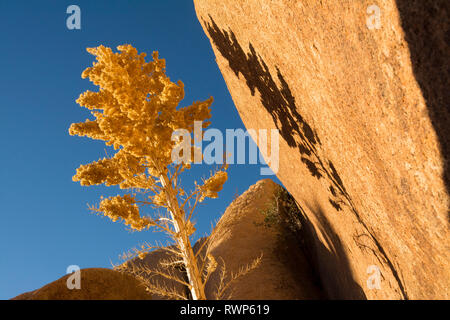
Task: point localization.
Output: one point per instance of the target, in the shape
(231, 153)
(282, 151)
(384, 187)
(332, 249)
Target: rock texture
(96, 284)
(252, 227)
(363, 118)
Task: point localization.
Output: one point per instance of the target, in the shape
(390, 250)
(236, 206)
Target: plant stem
(182, 238)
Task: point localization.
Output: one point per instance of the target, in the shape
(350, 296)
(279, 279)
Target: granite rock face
(254, 225)
(363, 118)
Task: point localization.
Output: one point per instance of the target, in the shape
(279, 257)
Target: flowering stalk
(182, 238)
(136, 111)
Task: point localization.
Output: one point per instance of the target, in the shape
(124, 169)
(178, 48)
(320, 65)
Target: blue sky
(45, 224)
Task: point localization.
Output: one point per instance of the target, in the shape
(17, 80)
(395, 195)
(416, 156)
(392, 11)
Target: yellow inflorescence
(136, 106)
(214, 184)
(124, 208)
(135, 111)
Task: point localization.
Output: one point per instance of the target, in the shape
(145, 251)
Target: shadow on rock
(426, 27)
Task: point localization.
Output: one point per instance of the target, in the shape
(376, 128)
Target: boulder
(96, 284)
(359, 94)
(252, 227)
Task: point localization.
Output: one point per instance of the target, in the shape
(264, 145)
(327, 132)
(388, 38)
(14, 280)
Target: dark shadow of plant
(426, 26)
(281, 105)
(293, 127)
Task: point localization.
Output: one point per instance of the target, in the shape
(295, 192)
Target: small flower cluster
(213, 185)
(124, 208)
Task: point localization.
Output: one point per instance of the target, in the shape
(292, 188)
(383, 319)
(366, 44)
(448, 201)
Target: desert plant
(136, 111)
